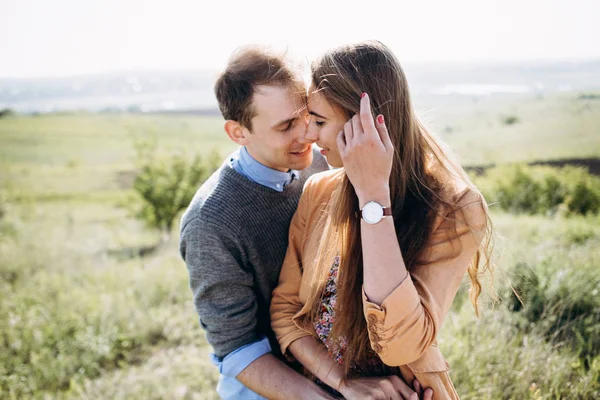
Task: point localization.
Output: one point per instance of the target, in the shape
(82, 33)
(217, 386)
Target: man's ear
(236, 132)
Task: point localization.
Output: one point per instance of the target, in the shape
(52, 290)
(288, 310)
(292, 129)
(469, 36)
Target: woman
(363, 294)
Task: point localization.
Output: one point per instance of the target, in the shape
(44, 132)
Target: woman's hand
(367, 153)
(384, 388)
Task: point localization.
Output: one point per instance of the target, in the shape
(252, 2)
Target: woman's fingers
(366, 117)
(349, 131)
(341, 143)
(366, 158)
(384, 135)
(357, 127)
(371, 125)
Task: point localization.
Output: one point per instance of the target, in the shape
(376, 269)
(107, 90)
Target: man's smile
(302, 152)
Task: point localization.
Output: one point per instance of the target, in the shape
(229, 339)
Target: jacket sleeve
(403, 328)
(222, 288)
(285, 303)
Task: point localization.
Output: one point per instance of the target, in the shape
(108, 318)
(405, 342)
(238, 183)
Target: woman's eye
(319, 123)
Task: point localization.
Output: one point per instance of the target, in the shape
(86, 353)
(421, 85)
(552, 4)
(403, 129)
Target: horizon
(149, 90)
(409, 64)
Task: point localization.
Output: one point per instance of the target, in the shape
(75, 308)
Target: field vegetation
(86, 313)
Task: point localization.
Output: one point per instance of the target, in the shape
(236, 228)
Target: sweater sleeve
(285, 303)
(403, 328)
(222, 288)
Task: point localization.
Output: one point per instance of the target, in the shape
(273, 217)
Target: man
(234, 233)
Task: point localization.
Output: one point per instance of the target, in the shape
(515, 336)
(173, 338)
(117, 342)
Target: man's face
(278, 132)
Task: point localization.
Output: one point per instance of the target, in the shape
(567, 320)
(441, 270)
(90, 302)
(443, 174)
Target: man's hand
(271, 378)
(316, 393)
(382, 388)
(426, 394)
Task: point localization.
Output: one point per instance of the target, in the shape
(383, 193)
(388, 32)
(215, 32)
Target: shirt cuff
(236, 361)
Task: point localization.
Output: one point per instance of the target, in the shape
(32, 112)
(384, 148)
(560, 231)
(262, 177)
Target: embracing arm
(226, 304)
(271, 378)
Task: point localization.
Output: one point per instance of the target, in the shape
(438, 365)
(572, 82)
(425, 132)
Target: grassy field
(530, 129)
(77, 321)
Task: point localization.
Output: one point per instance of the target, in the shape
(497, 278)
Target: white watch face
(372, 212)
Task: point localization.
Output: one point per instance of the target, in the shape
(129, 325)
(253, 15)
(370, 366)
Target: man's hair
(249, 67)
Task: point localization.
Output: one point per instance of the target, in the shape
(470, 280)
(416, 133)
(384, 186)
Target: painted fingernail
(380, 119)
(363, 95)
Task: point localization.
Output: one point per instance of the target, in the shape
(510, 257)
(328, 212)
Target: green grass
(121, 329)
(550, 128)
(544, 350)
(77, 321)
(90, 154)
(93, 153)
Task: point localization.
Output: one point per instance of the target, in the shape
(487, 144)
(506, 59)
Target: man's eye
(288, 127)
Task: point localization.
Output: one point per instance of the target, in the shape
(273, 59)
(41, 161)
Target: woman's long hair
(422, 167)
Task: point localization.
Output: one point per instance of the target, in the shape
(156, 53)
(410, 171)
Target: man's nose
(311, 135)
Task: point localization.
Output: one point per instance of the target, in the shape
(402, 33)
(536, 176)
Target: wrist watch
(374, 212)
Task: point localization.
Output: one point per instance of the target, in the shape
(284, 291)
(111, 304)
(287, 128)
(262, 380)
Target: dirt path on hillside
(592, 164)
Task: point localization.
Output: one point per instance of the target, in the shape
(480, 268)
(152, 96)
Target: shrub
(589, 96)
(510, 120)
(558, 298)
(6, 112)
(584, 199)
(2, 206)
(542, 190)
(554, 194)
(166, 185)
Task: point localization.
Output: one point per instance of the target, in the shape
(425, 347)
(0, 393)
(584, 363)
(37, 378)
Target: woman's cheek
(332, 138)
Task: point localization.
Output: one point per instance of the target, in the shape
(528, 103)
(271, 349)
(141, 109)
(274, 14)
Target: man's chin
(304, 163)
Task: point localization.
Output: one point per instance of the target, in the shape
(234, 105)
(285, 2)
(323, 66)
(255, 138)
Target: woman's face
(326, 121)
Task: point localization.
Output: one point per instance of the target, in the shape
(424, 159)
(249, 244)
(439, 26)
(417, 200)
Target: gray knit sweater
(234, 236)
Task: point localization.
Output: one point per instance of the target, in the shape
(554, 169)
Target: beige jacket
(403, 329)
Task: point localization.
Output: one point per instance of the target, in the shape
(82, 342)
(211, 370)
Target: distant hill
(131, 90)
(191, 91)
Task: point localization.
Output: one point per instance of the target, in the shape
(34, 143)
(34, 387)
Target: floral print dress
(324, 323)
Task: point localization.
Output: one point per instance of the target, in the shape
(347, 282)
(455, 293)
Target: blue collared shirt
(243, 163)
(229, 388)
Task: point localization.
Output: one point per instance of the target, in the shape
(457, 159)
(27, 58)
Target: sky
(42, 38)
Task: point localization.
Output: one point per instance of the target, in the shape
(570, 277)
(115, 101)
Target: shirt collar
(246, 165)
